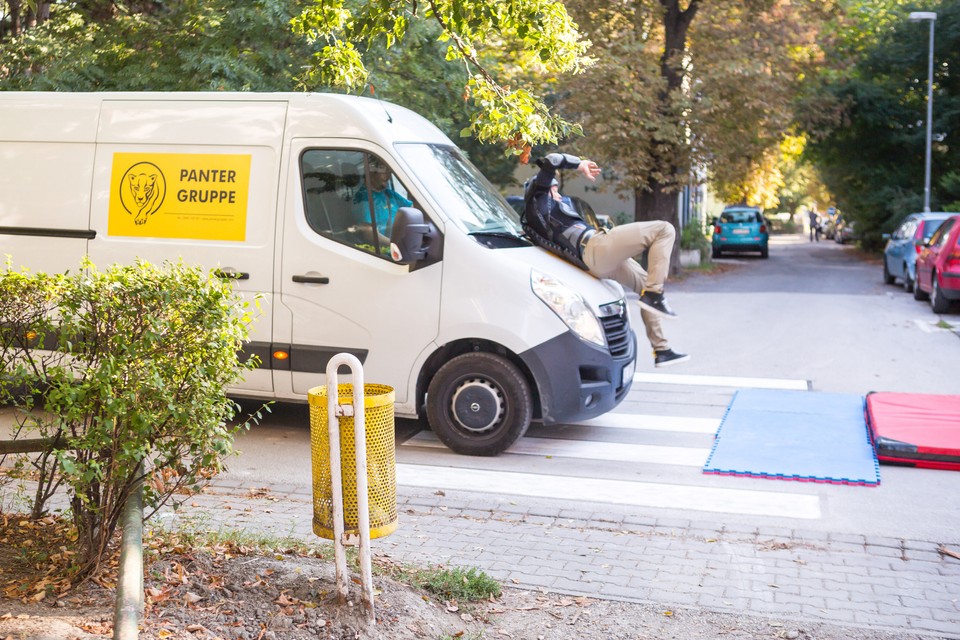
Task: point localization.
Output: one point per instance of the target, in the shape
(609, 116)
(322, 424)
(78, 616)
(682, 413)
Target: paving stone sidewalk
(888, 584)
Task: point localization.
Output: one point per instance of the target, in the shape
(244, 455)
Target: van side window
(352, 197)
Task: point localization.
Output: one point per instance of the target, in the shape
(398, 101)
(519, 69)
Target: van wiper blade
(497, 234)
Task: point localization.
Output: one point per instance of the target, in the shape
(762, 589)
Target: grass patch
(457, 583)
(234, 541)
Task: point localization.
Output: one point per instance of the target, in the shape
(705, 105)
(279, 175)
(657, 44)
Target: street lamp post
(917, 16)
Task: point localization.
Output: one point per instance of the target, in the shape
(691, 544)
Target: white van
(474, 328)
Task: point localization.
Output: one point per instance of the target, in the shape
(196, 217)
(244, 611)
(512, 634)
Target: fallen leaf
(285, 601)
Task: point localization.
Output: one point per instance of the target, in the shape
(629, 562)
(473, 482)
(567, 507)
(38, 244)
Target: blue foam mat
(795, 435)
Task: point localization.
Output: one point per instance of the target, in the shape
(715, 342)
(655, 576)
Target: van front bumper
(577, 381)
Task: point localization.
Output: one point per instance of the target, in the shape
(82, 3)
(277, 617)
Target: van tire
(497, 392)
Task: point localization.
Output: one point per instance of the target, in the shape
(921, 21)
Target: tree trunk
(658, 200)
(659, 204)
(13, 18)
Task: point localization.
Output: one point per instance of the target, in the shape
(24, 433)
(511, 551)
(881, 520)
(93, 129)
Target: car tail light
(952, 263)
(717, 230)
(763, 228)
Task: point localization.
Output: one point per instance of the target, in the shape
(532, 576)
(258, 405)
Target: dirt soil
(288, 596)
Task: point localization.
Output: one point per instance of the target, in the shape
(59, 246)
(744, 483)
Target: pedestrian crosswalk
(622, 492)
(637, 448)
(589, 450)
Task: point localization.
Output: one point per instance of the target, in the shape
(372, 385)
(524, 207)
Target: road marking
(934, 326)
(653, 423)
(587, 450)
(722, 381)
(622, 492)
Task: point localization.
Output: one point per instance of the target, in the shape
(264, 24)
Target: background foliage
(781, 103)
(219, 45)
(866, 113)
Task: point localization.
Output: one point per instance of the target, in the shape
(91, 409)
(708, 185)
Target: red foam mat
(919, 430)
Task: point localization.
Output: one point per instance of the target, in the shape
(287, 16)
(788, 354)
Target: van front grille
(617, 333)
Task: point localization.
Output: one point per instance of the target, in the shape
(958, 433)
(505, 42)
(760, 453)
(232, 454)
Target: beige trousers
(610, 255)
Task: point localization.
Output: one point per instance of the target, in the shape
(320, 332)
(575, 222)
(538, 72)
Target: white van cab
(362, 226)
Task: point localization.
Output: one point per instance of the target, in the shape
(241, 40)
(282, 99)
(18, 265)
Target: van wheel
(938, 301)
(716, 252)
(479, 404)
(918, 293)
(764, 252)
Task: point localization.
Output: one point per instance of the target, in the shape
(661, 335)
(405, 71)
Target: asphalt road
(814, 316)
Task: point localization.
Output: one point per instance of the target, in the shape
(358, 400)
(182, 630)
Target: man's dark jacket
(553, 225)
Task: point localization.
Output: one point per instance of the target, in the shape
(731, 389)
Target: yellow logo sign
(179, 195)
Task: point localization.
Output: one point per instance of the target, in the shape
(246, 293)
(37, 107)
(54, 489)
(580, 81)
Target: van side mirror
(411, 237)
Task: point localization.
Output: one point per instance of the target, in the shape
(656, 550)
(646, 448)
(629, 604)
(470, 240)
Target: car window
(940, 235)
(740, 216)
(352, 197)
(930, 227)
(906, 230)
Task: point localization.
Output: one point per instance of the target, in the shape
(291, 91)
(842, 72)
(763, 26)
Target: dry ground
(229, 591)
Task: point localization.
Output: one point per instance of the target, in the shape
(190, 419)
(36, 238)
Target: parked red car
(938, 267)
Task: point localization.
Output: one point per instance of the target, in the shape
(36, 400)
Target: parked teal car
(741, 228)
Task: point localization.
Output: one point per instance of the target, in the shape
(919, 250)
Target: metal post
(916, 16)
(128, 608)
(334, 412)
(926, 175)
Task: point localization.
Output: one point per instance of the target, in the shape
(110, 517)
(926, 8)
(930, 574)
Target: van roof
(32, 116)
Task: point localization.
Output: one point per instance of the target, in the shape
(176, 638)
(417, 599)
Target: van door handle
(231, 275)
(312, 279)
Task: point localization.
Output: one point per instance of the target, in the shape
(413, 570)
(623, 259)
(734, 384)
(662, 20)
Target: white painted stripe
(587, 450)
(640, 494)
(653, 423)
(722, 381)
(936, 326)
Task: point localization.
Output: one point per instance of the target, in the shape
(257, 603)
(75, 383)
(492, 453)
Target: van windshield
(462, 192)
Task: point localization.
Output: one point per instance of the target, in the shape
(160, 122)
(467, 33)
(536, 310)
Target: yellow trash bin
(381, 461)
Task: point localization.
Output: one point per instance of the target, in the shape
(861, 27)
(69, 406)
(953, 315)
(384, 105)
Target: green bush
(125, 372)
(692, 237)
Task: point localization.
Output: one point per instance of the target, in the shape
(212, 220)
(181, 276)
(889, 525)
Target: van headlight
(569, 306)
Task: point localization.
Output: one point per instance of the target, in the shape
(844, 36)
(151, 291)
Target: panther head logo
(142, 191)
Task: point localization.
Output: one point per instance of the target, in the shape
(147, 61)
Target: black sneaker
(668, 357)
(656, 303)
